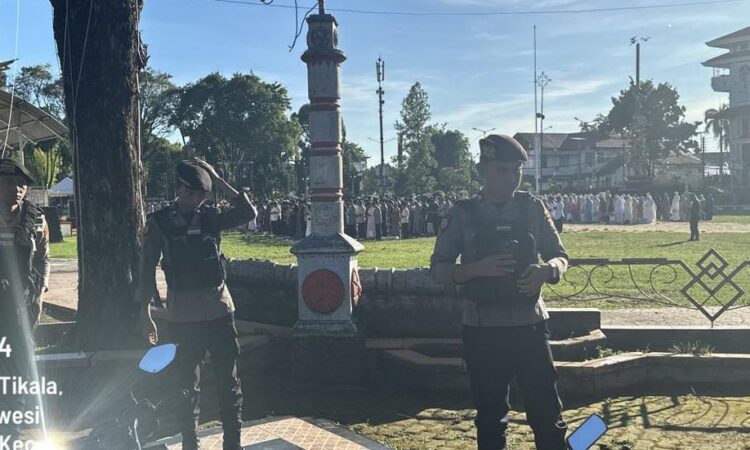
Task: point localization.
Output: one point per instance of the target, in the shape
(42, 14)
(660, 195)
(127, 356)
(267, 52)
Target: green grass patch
(744, 220)
(68, 249)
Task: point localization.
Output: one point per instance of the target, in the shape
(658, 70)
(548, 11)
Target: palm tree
(717, 123)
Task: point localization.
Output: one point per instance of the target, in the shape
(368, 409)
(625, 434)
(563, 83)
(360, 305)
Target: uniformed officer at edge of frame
(200, 310)
(500, 235)
(24, 277)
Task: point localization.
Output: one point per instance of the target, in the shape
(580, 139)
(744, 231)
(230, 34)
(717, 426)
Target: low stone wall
(395, 302)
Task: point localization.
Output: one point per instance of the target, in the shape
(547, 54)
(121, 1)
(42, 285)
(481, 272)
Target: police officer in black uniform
(24, 277)
(500, 236)
(200, 311)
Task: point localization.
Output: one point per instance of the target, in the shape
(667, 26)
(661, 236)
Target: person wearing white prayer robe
(628, 209)
(650, 210)
(619, 209)
(674, 212)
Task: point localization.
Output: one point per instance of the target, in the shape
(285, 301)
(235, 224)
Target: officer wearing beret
(24, 275)
(187, 235)
(500, 236)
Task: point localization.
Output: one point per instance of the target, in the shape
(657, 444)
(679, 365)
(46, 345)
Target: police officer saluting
(24, 276)
(199, 307)
(500, 236)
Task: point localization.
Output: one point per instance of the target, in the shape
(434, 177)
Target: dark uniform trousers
(494, 355)
(219, 338)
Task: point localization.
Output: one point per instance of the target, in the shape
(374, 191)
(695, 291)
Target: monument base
(329, 358)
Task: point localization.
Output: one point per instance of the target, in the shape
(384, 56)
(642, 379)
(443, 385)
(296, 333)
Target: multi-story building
(732, 75)
(578, 161)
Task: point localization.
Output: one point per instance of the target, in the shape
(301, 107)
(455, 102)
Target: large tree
(241, 125)
(38, 86)
(717, 124)
(454, 171)
(49, 161)
(417, 173)
(100, 53)
(656, 129)
(158, 97)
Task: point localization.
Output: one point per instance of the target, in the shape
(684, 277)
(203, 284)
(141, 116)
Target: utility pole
(636, 40)
(537, 149)
(542, 82)
(380, 68)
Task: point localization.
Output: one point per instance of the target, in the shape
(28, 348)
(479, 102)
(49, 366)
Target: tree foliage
(416, 176)
(241, 125)
(158, 99)
(658, 130)
(50, 161)
(717, 124)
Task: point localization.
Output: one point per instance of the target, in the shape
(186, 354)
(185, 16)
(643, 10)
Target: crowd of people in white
(626, 209)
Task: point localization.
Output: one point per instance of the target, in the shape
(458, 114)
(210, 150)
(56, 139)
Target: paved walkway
(287, 433)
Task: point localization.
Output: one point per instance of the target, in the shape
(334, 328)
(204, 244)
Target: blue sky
(477, 70)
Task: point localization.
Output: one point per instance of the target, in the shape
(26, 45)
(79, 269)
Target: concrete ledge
(622, 374)
(569, 322)
(52, 333)
(573, 349)
(633, 338)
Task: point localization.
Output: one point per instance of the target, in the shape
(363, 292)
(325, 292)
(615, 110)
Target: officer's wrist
(550, 270)
(462, 273)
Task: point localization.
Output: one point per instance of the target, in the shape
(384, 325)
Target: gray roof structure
(24, 122)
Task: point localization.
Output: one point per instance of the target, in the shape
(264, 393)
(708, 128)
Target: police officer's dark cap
(498, 147)
(193, 176)
(12, 168)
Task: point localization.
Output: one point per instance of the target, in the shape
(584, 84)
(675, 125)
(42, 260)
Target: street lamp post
(542, 81)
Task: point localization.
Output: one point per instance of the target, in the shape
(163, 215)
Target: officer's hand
(494, 266)
(36, 311)
(533, 278)
(148, 328)
(208, 168)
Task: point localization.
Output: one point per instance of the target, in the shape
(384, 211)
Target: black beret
(193, 176)
(498, 147)
(12, 168)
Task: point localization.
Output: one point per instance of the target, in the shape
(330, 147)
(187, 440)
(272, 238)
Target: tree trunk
(97, 42)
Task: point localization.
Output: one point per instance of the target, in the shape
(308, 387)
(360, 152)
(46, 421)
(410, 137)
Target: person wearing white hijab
(628, 209)
(674, 212)
(595, 209)
(619, 209)
(649, 208)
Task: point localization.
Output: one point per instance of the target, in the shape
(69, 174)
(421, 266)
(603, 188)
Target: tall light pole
(380, 69)
(636, 40)
(484, 132)
(542, 81)
(537, 150)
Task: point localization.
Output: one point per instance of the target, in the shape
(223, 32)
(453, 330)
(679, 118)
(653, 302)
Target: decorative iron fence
(712, 288)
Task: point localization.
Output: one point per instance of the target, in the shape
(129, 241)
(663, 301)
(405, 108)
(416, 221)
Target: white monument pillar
(327, 345)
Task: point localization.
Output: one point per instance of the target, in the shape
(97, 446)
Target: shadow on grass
(672, 244)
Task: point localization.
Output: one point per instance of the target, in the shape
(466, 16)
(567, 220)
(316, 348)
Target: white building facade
(732, 75)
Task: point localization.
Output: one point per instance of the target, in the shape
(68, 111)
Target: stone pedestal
(327, 346)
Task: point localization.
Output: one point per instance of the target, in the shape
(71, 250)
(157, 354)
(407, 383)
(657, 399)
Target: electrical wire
(299, 25)
(13, 88)
(491, 13)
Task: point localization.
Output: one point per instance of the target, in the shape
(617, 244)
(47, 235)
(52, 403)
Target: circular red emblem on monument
(323, 291)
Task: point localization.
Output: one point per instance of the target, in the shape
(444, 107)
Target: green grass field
(613, 245)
